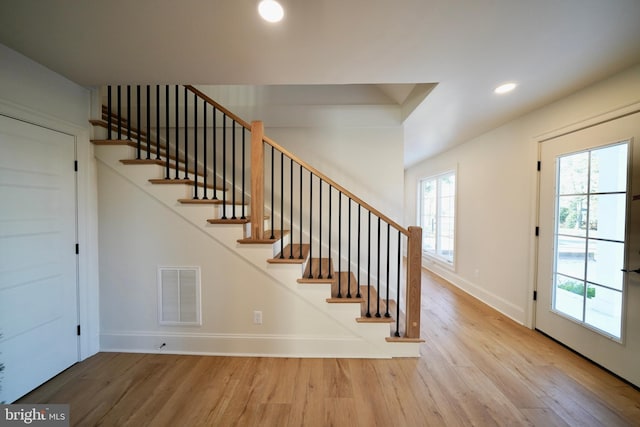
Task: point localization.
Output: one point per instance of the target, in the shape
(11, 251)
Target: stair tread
(266, 237)
(187, 181)
(202, 202)
(343, 280)
(314, 267)
(229, 221)
(142, 162)
(373, 307)
(293, 249)
(172, 167)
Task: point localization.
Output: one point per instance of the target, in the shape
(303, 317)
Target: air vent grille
(179, 296)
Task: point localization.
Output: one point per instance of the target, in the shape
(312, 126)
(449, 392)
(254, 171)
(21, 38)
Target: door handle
(637, 270)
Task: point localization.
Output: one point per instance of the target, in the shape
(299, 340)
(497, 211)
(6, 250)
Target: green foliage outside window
(578, 288)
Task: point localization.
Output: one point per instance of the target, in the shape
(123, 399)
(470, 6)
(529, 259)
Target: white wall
(365, 160)
(497, 190)
(33, 93)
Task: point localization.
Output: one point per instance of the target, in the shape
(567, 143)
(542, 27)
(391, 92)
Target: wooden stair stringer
(364, 340)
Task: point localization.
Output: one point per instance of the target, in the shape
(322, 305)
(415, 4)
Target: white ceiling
(466, 47)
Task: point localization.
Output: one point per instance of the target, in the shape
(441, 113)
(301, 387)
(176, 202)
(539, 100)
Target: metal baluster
(109, 113)
(205, 190)
(177, 132)
(233, 170)
(358, 263)
(244, 131)
(300, 212)
(167, 174)
(397, 334)
(386, 314)
(224, 166)
(215, 156)
(378, 273)
(291, 206)
(330, 276)
(281, 205)
(272, 212)
(129, 112)
(310, 225)
(349, 251)
(369, 265)
(195, 146)
(148, 122)
(157, 122)
(320, 228)
(138, 142)
(186, 135)
(119, 113)
(339, 244)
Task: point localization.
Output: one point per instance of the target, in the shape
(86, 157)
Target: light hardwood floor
(477, 368)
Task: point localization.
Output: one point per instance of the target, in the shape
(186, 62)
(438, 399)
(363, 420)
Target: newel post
(257, 180)
(414, 283)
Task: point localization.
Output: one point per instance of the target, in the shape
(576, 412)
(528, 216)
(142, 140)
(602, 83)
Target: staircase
(271, 208)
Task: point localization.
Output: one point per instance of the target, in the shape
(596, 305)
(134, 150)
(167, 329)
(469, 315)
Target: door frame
(537, 141)
(86, 219)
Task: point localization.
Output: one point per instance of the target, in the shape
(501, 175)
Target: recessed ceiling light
(507, 87)
(271, 10)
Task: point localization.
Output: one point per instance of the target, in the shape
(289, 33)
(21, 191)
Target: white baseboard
(512, 311)
(245, 345)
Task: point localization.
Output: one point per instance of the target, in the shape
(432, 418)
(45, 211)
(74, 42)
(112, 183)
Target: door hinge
(78, 330)
(539, 165)
(537, 231)
(75, 166)
(535, 295)
(77, 248)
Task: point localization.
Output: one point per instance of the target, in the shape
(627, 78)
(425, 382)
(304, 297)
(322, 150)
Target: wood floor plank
(371, 408)
(477, 368)
(337, 378)
(308, 406)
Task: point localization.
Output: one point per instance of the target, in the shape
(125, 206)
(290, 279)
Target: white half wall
(35, 94)
(497, 195)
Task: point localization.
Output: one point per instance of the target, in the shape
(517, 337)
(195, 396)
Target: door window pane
(573, 174)
(591, 209)
(604, 309)
(605, 263)
(571, 256)
(572, 215)
(607, 216)
(569, 296)
(613, 160)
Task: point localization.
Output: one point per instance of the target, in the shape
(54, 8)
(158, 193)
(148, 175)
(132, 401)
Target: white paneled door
(589, 243)
(38, 265)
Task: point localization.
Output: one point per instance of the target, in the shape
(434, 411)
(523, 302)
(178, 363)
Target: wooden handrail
(219, 107)
(302, 163)
(337, 186)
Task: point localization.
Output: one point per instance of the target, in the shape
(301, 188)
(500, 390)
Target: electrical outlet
(257, 317)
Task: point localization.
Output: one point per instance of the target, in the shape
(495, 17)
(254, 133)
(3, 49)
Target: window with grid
(437, 216)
